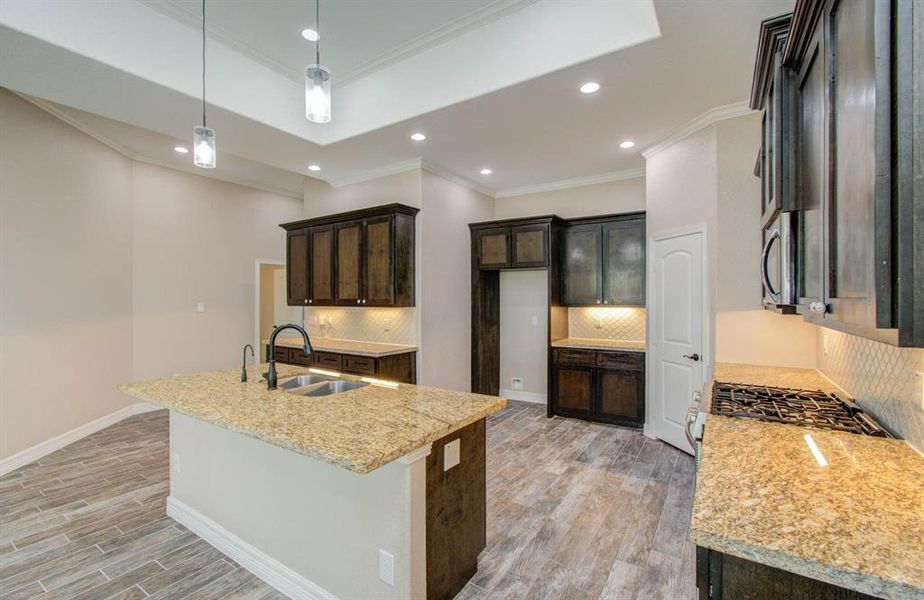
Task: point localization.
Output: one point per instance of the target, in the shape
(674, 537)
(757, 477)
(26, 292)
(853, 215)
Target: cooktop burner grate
(792, 406)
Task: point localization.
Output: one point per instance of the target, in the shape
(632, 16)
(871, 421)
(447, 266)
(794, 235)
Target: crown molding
(563, 184)
(490, 12)
(133, 156)
(393, 169)
(713, 115)
(457, 179)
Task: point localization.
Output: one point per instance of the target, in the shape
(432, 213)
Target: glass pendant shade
(317, 94)
(204, 147)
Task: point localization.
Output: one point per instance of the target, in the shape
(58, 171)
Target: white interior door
(677, 327)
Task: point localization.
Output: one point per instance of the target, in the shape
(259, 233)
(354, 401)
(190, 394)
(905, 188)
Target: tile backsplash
(883, 379)
(385, 325)
(607, 322)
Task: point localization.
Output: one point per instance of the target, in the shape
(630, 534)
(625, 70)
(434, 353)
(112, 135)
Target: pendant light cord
(203, 63)
(317, 20)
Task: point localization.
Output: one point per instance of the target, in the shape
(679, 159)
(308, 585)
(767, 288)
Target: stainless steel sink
(301, 381)
(334, 387)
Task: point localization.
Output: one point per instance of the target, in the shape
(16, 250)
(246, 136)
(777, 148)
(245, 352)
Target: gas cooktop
(792, 406)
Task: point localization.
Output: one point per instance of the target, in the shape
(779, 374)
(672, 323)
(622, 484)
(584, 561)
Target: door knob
(694, 357)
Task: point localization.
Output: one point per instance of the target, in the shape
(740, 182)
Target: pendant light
(203, 137)
(317, 81)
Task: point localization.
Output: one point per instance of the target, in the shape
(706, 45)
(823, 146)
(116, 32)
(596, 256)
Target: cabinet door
(493, 248)
(349, 262)
(321, 267)
(811, 161)
(620, 396)
(582, 268)
(573, 390)
(297, 267)
(529, 246)
(378, 262)
(624, 263)
(851, 217)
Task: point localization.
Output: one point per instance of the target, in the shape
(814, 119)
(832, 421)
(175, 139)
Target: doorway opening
(271, 302)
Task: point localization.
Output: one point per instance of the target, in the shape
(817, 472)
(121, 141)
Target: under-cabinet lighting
(324, 372)
(819, 457)
(381, 382)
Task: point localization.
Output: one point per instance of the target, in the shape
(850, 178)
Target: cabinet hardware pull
(818, 307)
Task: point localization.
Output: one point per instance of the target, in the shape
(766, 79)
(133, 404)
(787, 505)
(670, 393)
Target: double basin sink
(318, 385)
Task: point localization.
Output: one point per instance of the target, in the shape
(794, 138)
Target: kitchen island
(780, 508)
(376, 492)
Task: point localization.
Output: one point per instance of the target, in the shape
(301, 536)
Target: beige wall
(65, 277)
(444, 269)
(612, 197)
(102, 262)
(323, 199)
(267, 300)
(196, 240)
(524, 296)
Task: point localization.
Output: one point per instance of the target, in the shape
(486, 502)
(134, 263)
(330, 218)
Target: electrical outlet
(200, 307)
(824, 344)
(516, 383)
(598, 323)
(176, 462)
(386, 325)
(535, 321)
(452, 453)
(387, 567)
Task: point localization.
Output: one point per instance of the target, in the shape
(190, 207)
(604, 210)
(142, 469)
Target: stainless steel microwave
(778, 261)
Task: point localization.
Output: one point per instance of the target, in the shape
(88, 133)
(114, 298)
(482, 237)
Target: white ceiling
(518, 112)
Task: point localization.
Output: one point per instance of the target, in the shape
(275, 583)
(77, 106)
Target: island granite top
(359, 430)
(856, 521)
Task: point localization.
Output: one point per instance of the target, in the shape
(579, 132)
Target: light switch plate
(200, 307)
(387, 567)
(451, 454)
(920, 376)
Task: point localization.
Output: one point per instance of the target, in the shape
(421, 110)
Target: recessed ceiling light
(310, 34)
(590, 87)
(418, 137)
(181, 149)
(627, 144)
(486, 171)
(314, 168)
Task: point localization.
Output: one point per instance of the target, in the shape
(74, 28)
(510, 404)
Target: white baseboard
(24, 457)
(254, 560)
(533, 397)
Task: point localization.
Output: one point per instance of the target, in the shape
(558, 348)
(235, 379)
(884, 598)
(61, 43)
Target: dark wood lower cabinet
(721, 576)
(396, 367)
(599, 385)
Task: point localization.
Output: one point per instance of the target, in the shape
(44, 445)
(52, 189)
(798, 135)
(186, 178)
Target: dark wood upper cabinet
(493, 248)
(841, 79)
(297, 266)
(361, 258)
(321, 265)
(349, 268)
(582, 267)
(624, 263)
(604, 261)
(529, 246)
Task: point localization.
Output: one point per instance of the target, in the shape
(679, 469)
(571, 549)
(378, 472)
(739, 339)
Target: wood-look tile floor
(575, 510)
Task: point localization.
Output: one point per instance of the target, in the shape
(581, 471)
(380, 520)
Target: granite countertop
(373, 349)
(857, 522)
(359, 430)
(600, 344)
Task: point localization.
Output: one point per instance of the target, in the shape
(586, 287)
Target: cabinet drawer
(297, 356)
(573, 356)
(281, 354)
(363, 365)
(621, 360)
(328, 360)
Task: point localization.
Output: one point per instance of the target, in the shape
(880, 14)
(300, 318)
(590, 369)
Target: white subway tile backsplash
(881, 378)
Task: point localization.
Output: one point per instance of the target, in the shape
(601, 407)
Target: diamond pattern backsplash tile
(881, 378)
(607, 322)
(385, 325)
